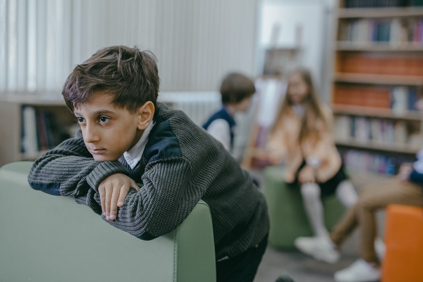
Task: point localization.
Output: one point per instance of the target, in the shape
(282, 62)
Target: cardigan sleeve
(70, 170)
(163, 202)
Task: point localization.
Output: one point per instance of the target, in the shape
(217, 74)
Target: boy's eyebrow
(99, 112)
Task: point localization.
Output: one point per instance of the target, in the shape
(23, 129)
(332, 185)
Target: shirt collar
(133, 156)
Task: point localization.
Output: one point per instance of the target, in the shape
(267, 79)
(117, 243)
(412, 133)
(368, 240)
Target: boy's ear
(146, 114)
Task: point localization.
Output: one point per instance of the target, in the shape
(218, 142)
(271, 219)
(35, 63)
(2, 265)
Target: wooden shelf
(376, 112)
(391, 148)
(378, 47)
(378, 79)
(394, 12)
(51, 107)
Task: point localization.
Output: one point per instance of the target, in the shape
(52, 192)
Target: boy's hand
(404, 171)
(306, 175)
(113, 191)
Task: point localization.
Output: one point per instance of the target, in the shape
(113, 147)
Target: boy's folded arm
(166, 198)
(70, 170)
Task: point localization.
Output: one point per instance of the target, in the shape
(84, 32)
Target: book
(342, 128)
(29, 128)
(399, 99)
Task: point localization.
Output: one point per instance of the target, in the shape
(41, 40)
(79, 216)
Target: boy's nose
(90, 134)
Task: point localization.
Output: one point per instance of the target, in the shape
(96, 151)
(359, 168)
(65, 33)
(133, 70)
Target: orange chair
(403, 259)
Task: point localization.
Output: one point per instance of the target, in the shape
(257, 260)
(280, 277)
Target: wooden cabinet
(32, 124)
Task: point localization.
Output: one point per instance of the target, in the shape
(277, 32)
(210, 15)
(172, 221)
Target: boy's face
(108, 131)
(245, 104)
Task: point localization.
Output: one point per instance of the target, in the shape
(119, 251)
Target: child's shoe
(359, 271)
(319, 248)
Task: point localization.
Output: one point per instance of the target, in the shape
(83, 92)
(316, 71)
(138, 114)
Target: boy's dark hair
(130, 75)
(235, 88)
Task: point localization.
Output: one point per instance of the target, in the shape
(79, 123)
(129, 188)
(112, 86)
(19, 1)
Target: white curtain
(196, 41)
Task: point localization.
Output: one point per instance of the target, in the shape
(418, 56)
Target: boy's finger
(122, 196)
(113, 204)
(135, 185)
(102, 199)
(107, 203)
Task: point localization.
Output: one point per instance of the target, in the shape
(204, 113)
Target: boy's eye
(103, 119)
(80, 119)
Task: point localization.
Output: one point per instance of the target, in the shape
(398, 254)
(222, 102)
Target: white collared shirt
(220, 130)
(134, 155)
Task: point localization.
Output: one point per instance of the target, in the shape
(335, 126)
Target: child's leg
(314, 208)
(346, 193)
(344, 228)
(375, 198)
(371, 200)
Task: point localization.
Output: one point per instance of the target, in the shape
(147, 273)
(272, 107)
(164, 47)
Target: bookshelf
(377, 78)
(32, 124)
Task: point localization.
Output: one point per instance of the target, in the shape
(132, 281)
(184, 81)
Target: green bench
(49, 238)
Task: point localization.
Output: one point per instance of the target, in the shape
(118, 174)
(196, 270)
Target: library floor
(305, 269)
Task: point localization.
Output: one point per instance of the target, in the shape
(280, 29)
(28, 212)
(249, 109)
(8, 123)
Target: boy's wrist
(102, 171)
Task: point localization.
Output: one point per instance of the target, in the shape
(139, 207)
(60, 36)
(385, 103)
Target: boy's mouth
(97, 151)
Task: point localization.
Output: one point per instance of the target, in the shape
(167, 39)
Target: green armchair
(48, 238)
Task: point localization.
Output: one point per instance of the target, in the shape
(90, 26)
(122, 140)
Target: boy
(126, 137)
(237, 91)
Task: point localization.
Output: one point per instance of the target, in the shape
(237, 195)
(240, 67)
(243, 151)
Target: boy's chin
(104, 158)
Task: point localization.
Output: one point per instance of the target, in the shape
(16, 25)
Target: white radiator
(199, 106)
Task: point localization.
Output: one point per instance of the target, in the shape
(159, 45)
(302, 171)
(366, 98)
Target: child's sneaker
(359, 271)
(318, 248)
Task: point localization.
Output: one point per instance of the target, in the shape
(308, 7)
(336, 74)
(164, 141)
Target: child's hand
(404, 171)
(306, 175)
(113, 191)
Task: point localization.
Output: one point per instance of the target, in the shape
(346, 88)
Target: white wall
(196, 42)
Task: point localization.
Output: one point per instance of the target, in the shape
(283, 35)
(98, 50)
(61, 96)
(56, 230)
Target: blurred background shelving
(377, 79)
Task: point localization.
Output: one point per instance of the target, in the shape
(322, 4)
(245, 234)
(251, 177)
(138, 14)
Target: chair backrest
(50, 238)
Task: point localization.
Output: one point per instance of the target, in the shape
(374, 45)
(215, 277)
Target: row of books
(370, 130)
(382, 3)
(395, 31)
(381, 64)
(372, 162)
(399, 99)
(40, 130)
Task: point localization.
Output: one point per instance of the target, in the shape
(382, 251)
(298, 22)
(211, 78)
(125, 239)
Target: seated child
(302, 137)
(127, 137)
(236, 91)
(406, 189)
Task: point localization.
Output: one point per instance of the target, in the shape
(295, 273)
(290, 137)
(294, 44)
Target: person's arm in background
(275, 147)
(220, 130)
(315, 159)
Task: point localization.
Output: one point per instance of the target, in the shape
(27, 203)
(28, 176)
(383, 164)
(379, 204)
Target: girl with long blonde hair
(302, 137)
